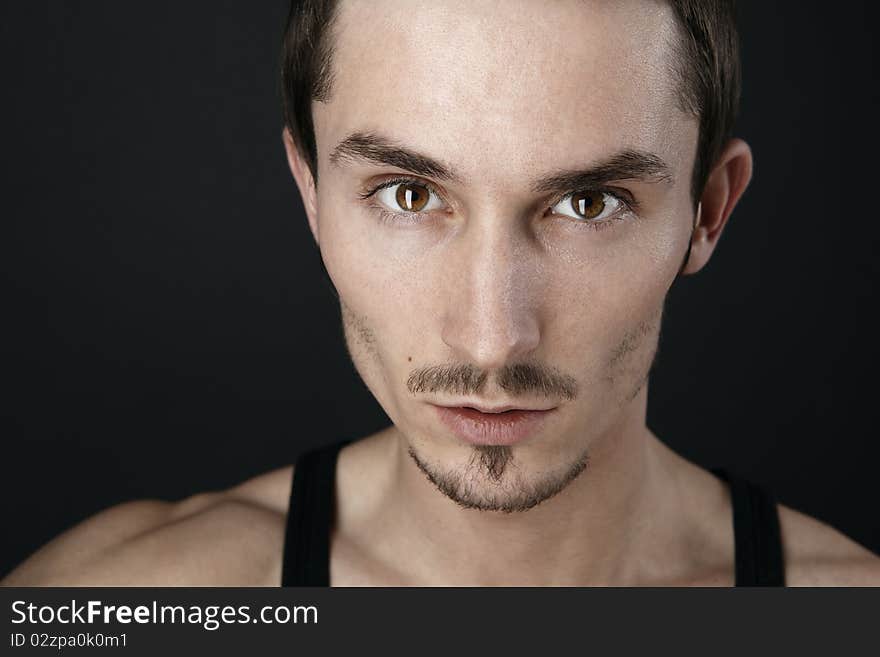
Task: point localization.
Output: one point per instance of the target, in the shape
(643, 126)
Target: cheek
(383, 285)
(604, 304)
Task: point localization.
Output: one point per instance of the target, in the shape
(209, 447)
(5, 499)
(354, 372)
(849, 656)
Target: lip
(499, 428)
(487, 409)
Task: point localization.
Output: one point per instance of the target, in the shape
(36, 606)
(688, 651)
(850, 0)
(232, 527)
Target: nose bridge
(491, 319)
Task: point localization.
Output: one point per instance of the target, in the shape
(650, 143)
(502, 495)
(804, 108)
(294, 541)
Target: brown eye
(412, 197)
(588, 204)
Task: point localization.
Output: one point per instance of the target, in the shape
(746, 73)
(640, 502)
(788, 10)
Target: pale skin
(492, 273)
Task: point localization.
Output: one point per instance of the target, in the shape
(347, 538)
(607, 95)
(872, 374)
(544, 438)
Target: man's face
(505, 282)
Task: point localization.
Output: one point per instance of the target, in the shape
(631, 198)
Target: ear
(726, 183)
(304, 180)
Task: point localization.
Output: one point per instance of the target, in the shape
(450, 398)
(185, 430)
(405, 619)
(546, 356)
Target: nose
(491, 316)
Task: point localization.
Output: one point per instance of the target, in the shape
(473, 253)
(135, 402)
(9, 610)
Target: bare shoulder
(231, 537)
(817, 554)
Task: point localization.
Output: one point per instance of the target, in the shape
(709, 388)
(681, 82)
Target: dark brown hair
(708, 73)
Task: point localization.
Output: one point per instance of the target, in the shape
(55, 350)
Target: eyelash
(627, 202)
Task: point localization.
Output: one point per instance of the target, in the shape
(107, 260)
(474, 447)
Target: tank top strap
(306, 557)
(757, 538)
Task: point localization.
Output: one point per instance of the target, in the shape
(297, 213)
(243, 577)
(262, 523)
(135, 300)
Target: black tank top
(757, 541)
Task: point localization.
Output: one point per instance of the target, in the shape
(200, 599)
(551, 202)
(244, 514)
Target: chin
(493, 477)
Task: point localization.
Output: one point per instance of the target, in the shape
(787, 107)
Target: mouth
(507, 426)
(499, 409)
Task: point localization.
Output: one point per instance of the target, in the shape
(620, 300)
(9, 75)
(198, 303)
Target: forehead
(512, 82)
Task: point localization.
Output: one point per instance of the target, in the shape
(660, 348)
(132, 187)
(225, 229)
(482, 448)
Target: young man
(502, 194)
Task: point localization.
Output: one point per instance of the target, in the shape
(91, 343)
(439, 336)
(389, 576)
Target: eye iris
(411, 197)
(588, 204)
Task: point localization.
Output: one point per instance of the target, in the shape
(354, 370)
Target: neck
(590, 533)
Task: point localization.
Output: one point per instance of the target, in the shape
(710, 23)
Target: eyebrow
(627, 164)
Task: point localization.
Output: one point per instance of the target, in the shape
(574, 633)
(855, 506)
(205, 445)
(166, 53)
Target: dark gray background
(167, 328)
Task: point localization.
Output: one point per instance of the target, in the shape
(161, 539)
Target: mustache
(515, 379)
